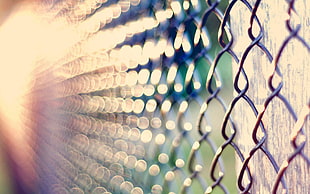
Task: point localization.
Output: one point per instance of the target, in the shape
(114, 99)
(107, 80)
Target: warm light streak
(146, 136)
(124, 4)
(183, 106)
(155, 76)
(170, 125)
(197, 36)
(160, 139)
(195, 4)
(188, 126)
(151, 105)
(178, 87)
(143, 76)
(189, 73)
(169, 51)
(154, 170)
(186, 44)
(141, 166)
(169, 176)
(179, 163)
(165, 107)
(205, 38)
(134, 2)
(186, 5)
(163, 158)
(162, 88)
(187, 182)
(149, 90)
(143, 123)
(156, 122)
(176, 7)
(172, 73)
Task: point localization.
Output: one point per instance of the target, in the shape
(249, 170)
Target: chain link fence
(174, 97)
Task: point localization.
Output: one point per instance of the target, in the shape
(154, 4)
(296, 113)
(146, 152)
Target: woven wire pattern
(139, 103)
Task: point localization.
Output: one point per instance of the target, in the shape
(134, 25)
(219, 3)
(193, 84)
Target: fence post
(277, 118)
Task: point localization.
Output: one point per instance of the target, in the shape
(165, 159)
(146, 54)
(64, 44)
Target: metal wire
(142, 102)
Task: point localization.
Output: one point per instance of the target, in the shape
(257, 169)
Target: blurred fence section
(138, 97)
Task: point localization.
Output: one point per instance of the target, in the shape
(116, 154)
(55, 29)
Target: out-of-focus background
(5, 186)
(6, 6)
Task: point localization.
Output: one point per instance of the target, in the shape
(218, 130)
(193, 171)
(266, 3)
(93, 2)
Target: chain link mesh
(141, 101)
